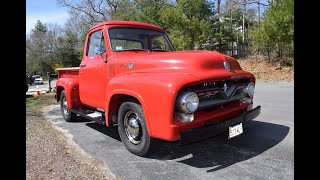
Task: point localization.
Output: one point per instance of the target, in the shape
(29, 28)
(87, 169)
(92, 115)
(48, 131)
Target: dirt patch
(51, 154)
(270, 72)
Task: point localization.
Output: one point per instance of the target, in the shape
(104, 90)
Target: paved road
(42, 87)
(264, 151)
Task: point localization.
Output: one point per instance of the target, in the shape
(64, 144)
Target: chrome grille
(219, 92)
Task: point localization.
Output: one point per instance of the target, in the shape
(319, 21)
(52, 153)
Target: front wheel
(66, 113)
(132, 128)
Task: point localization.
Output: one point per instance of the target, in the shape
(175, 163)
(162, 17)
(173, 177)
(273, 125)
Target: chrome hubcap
(65, 107)
(132, 127)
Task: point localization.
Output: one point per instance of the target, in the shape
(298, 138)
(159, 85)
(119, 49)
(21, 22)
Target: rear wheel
(66, 113)
(132, 128)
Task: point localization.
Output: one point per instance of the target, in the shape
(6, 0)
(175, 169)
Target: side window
(96, 40)
(159, 43)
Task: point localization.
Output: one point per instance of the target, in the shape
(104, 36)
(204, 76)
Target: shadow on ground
(110, 131)
(56, 112)
(217, 152)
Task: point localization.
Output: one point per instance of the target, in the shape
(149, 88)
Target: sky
(47, 11)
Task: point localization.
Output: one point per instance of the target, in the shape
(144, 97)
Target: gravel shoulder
(268, 72)
(51, 154)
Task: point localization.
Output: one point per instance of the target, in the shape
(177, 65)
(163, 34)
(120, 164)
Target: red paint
(154, 81)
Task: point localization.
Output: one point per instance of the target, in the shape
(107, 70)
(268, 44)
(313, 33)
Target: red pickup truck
(132, 76)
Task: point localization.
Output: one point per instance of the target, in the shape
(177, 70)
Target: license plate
(235, 130)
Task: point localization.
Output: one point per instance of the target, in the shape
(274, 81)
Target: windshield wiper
(135, 49)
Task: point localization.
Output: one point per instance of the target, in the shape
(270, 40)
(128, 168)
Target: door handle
(82, 65)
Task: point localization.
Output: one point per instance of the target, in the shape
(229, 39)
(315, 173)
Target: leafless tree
(94, 10)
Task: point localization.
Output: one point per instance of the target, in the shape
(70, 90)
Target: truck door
(93, 72)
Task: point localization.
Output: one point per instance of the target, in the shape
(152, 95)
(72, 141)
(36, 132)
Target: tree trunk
(219, 28)
(278, 50)
(243, 34)
(237, 46)
(192, 42)
(218, 6)
(259, 25)
(243, 27)
(231, 25)
(259, 13)
(269, 58)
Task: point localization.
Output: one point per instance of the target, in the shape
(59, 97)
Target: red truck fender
(71, 87)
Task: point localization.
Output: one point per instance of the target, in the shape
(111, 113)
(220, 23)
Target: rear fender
(71, 87)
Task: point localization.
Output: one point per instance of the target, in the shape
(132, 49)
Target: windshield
(134, 39)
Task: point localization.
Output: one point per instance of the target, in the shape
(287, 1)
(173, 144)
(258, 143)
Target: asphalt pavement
(264, 151)
(42, 87)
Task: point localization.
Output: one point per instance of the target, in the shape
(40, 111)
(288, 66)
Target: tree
(36, 49)
(67, 54)
(148, 11)
(277, 30)
(189, 23)
(41, 45)
(94, 11)
(40, 27)
(226, 27)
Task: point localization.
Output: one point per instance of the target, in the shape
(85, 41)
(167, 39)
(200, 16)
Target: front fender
(71, 87)
(156, 92)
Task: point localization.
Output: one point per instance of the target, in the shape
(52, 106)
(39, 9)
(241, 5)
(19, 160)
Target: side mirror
(99, 51)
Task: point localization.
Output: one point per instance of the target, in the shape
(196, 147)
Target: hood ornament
(226, 65)
(225, 87)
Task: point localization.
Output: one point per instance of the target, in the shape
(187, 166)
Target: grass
(34, 102)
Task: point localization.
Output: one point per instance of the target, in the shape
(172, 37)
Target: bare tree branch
(255, 2)
(114, 5)
(99, 11)
(69, 5)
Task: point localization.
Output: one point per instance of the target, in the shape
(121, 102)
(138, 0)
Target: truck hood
(199, 63)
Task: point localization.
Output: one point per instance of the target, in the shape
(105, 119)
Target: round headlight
(250, 89)
(189, 102)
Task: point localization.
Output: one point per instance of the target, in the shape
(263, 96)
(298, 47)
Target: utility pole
(218, 6)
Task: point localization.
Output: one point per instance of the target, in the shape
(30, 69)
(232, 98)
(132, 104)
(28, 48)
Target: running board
(93, 115)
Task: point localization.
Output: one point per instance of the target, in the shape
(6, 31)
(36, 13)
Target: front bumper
(213, 129)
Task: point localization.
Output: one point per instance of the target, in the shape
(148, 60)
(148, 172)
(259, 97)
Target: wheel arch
(58, 92)
(116, 99)
(71, 87)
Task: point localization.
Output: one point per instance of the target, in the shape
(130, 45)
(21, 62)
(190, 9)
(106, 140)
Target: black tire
(143, 146)
(66, 113)
(27, 87)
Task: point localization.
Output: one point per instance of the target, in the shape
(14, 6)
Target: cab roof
(129, 23)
